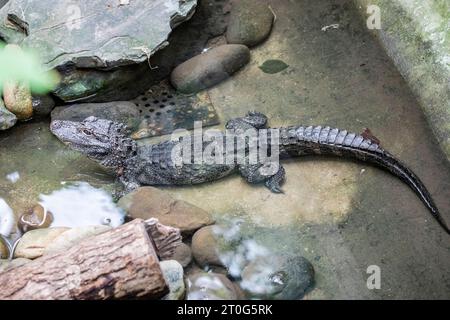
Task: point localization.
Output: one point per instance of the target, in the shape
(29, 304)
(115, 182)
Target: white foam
(13, 176)
(82, 205)
(6, 219)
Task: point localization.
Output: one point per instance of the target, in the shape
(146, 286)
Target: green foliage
(24, 67)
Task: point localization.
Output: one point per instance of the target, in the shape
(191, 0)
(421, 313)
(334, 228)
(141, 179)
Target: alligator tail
(318, 140)
(391, 164)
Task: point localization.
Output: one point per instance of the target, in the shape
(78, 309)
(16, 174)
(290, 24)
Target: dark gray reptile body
(153, 165)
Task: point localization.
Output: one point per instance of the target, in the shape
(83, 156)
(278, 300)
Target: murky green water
(342, 216)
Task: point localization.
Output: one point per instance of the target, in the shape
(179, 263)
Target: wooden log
(117, 264)
(165, 238)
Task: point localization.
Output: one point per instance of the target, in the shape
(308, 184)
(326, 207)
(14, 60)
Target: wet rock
(216, 42)
(90, 85)
(36, 218)
(120, 111)
(130, 35)
(17, 96)
(7, 118)
(224, 246)
(174, 276)
(182, 254)
(8, 264)
(250, 22)
(79, 84)
(277, 277)
(33, 243)
(72, 237)
(210, 286)
(4, 252)
(209, 68)
(150, 202)
(205, 247)
(42, 105)
(17, 99)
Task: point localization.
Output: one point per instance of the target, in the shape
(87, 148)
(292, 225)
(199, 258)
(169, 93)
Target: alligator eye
(87, 132)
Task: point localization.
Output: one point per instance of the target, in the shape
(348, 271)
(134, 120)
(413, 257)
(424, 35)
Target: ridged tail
(390, 163)
(297, 141)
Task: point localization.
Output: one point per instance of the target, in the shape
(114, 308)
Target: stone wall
(416, 36)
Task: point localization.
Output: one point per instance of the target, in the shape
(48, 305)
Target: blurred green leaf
(24, 67)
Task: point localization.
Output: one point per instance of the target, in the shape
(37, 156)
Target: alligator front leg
(271, 173)
(127, 186)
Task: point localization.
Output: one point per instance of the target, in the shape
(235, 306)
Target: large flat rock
(92, 34)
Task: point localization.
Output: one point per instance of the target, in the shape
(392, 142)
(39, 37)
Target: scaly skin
(105, 142)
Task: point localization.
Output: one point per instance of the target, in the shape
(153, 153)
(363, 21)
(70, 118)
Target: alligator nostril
(55, 124)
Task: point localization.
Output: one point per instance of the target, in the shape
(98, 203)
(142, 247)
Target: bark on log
(166, 239)
(120, 263)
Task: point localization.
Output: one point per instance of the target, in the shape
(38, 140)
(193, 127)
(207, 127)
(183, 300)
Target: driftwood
(119, 263)
(165, 238)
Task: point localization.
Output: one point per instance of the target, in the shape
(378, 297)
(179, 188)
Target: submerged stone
(206, 248)
(174, 275)
(210, 286)
(277, 277)
(209, 68)
(250, 22)
(182, 254)
(36, 217)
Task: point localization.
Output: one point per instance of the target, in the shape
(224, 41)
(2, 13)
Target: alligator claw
(276, 190)
(274, 187)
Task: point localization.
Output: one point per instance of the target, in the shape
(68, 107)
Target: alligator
(107, 143)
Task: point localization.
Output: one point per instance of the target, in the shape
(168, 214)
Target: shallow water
(341, 215)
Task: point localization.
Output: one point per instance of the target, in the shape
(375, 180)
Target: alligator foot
(273, 183)
(271, 173)
(252, 119)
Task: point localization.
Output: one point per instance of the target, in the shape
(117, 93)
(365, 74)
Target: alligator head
(101, 140)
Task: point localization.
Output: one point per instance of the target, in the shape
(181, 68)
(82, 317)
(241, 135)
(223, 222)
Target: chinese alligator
(107, 143)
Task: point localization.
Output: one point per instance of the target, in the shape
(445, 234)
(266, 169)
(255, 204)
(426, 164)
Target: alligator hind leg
(274, 182)
(252, 119)
(257, 120)
(271, 173)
